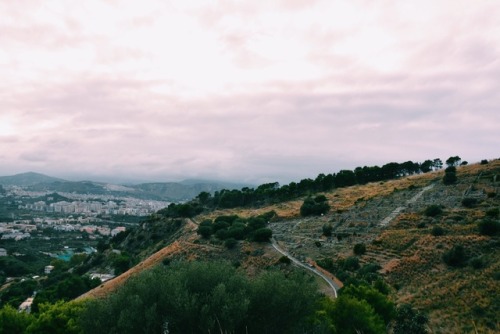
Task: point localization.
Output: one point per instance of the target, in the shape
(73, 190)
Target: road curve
(331, 283)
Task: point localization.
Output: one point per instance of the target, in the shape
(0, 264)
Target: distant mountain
(165, 191)
(27, 179)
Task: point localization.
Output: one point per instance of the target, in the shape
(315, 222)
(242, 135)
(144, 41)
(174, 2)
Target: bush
(433, 210)
(493, 213)
(469, 202)
(327, 230)
(449, 178)
(230, 243)
(489, 227)
(477, 263)
(437, 231)
(484, 162)
(455, 257)
(317, 206)
(285, 259)
(205, 231)
(359, 249)
(262, 235)
(408, 320)
(351, 263)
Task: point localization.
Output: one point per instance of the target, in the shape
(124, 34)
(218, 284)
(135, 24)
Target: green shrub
(469, 202)
(351, 263)
(327, 230)
(230, 243)
(489, 227)
(359, 249)
(437, 231)
(477, 263)
(433, 210)
(455, 257)
(314, 207)
(262, 235)
(493, 213)
(205, 231)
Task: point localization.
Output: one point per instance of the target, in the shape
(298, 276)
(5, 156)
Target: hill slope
(410, 247)
(27, 179)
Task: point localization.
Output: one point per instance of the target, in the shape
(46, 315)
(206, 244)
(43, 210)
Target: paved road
(331, 283)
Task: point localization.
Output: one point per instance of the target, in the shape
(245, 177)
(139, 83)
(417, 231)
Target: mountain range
(165, 191)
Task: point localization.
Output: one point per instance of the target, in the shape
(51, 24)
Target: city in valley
(38, 228)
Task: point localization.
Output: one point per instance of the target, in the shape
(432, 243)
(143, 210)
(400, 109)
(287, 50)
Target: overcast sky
(253, 91)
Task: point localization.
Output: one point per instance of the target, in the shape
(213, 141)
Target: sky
(249, 91)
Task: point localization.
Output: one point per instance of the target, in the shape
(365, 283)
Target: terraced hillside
(389, 219)
(445, 261)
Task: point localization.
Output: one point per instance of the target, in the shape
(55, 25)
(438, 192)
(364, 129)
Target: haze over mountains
(166, 191)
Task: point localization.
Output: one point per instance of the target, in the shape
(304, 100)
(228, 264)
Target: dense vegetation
(236, 228)
(201, 297)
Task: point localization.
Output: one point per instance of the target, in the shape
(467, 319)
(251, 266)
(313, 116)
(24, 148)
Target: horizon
(255, 92)
(124, 181)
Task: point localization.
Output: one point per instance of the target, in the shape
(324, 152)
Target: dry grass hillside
(390, 219)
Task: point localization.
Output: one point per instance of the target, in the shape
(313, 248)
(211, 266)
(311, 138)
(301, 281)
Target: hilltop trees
(453, 161)
(273, 192)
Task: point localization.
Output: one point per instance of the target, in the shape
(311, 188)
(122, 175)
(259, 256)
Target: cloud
(245, 90)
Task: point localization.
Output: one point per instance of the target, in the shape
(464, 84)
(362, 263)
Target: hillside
(27, 179)
(401, 238)
(164, 191)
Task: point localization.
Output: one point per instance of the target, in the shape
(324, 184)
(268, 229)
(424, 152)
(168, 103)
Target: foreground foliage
(208, 297)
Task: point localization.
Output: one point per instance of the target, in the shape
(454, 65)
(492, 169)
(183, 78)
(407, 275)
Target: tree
(449, 178)
(204, 197)
(410, 321)
(205, 231)
(453, 161)
(352, 316)
(426, 166)
(14, 322)
(382, 306)
(345, 178)
(262, 235)
(359, 249)
(450, 175)
(279, 304)
(59, 318)
(314, 206)
(204, 297)
(437, 164)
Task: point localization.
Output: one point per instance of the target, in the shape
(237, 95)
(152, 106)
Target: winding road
(330, 282)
